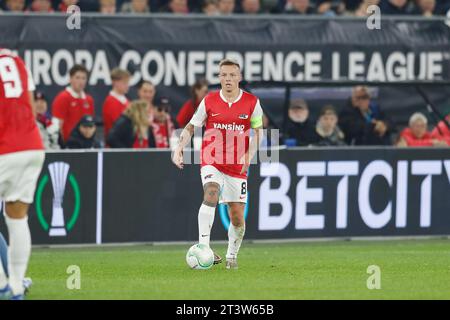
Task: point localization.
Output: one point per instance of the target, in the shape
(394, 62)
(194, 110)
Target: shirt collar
(76, 95)
(120, 97)
(6, 52)
(237, 99)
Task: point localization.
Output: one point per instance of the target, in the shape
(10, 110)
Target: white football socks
(205, 223)
(235, 236)
(18, 252)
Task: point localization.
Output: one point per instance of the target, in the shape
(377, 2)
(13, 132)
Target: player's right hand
(177, 158)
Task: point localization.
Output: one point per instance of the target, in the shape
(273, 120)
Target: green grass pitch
(410, 269)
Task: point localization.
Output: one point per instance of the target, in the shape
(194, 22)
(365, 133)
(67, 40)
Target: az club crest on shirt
(243, 116)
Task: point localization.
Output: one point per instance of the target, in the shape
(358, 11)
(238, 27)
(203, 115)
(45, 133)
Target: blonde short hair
(229, 62)
(119, 74)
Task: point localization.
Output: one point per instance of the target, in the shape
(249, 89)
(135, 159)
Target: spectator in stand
(146, 91)
(198, 91)
(298, 7)
(417, 135)
(65, 4)
(83, 135)
(426, 8)
(162, 126)
(361, 11)
(107, 6)
(363, 122)
(135, 6)
(210, 8)
(330, 7)
(71, 104)
(396, 7)
(177, 7)
(49, 130)
(328, 133)
(250, 7)
(43, 6)
(132, 129)
(116, 102)
(442, 131)
(226, 7)
(15, 5)
(300, 130)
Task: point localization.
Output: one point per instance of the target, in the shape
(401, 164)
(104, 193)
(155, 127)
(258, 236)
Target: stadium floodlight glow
(58, 174)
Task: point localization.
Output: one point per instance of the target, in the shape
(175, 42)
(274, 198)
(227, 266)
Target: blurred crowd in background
(226, 7)
(68, 120)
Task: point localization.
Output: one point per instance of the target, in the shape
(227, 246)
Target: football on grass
(200, 257)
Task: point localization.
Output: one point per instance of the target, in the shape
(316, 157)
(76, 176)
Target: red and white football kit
(226, 140)
(70, 107)
(21, 147)
(113, 107)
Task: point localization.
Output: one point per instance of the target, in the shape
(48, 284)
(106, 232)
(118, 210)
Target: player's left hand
(177, 158)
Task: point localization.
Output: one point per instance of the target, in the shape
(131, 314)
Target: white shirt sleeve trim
(199, 117)
(31, 85)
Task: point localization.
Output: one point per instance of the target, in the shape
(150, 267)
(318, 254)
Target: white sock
(205, 223)
(18, 252)
(235, 236)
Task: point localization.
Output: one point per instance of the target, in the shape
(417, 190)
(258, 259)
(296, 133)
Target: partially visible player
(21, 161)
(228, 115)
(4, 254)
(27, 282)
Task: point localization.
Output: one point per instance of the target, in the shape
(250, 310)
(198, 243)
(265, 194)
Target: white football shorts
(19, 172)
(232, 189)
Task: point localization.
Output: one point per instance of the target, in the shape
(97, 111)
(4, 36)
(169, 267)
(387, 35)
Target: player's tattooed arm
(185, 139)
(186, 135)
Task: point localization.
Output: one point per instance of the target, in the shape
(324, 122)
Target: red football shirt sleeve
(200, 116)
(185, 114)
(59, 107)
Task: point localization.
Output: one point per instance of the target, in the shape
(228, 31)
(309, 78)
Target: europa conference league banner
(173, 51)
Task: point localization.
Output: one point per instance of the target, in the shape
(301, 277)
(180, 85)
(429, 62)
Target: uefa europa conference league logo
(59, 173)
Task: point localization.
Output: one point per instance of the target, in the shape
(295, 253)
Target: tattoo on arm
(186, 135)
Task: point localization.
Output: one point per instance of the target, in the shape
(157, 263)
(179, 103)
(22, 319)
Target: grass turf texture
(410, 269)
